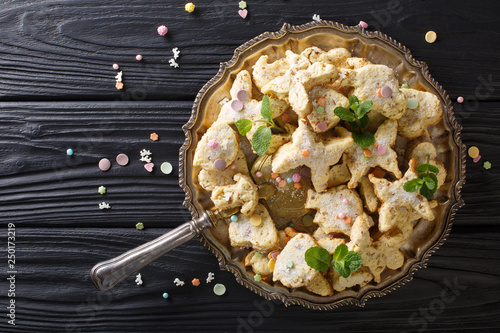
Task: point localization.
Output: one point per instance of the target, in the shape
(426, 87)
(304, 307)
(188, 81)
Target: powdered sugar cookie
(428, 111)
(217, 148)
(259, 262)
(210, 179)
(360, 278)
(336, 56)
(324, 99)
(244, 194)
(339, 173)
(425, 152)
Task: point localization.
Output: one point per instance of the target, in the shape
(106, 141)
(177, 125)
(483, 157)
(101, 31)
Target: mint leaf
(318, 258)
(265, 109)
(353, 101)
(422, 167)
(363, 108)
(364, 121)
(261, 140)
(363, 140)
(413, 185)
(433, 168)
(340, 267)
(427, 192)
(429, 182)
(344, 114)
(354, 124)
(340, 252)
(353, 261)
(243, 126)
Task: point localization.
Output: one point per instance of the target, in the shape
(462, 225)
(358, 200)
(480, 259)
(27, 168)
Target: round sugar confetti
(255, 220)
(412, 103)
(305, 172)
(234, 218)
(69, 152)
(307, 220)
(386, 92)
(242, 95)
(220, 164)
(236, 105)
(460, 99)
(122, 159)
(219, 289)
(138, 57)
(430, 36)
(104, 164)
(166, 168)
(289, 180)
(345, 201)
(258, 174)
(321, 101)
(296, 177)
(341, 216)
(473, 152)
(115, 66)
(162, 30)
(165, 295)
(277, 179)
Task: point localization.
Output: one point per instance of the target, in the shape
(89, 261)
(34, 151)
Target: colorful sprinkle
(210, 277)
(345, 201)
(341, 216)
(473, 152)
(322, 126)
(242, 4)
(259, 255)
(189, 7)
(122, 159)
(219, 289)
(236, 105)
(232, 166)
(487, 165)
(307, 220)
(242, 95)
(104, 164)
(367, 153)
(149, 167)
(195, 282)
(306, 172)
(101, 190)
(115, 66)
(255, 220)
(320, 109)
(274, 175)
(166, 168)
(278, 179)
(306, 153)
(381, 150)
(139, 226)
(165, 295)
(430, 37)
(363, 24)
(138, 57)
(298, 186)
(366, 158)
(386, 92)
(296, 177)
(69, 152)
(412, 103)
(460, 99)
(243, 13)
(282, 183)
(153, 136)
(234, 218)
(321, 101)
(219, 164)
(257, 277)
(162, 30)
(476, 159)
(405, 86)
(119, 85)
(271, 264)
(347, 220)
(289, 264)
(274, 255)
(212, 144)
(258, 174)
(289, 180)
(378, 92)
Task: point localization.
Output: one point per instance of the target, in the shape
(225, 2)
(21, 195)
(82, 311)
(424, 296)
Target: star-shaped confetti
(306, 150)
(242, 4)
(101, 190)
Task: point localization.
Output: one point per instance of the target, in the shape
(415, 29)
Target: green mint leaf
(354, 124)
(363, 140)
(265, 109)
(427, 192)
(413, 185)
(318, 258)
(340, 252)
(363, 108)
(353, 101)
(261, 140)
(341, 268)
(364, 121)
(344, 114)
(433, 168)
(429, 182)
(353, 261)
(423, 167)
(243, 126)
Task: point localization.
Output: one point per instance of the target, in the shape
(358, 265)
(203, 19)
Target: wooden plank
(65, 49)
(56, 296)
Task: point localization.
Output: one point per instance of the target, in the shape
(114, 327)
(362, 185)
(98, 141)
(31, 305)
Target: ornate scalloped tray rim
(450, 118)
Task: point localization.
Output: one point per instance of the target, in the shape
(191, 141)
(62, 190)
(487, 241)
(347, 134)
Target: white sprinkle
(138, 279)
(178, 282)
(176, 52)
(173, 63)
(146, 159)
(227, 196)
(104, 205)
(145, 152)
(342, 76)
(210, 277)
(316, 18)
(118, 76)
(223, 101)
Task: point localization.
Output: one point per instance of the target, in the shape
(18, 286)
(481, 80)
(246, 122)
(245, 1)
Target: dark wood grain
(57, 91)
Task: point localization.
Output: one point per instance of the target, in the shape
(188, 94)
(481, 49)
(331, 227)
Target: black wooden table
(57, 92)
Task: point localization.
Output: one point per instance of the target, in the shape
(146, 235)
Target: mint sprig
(427, 183)
(261, 139)
(343, 261)
(357, 117)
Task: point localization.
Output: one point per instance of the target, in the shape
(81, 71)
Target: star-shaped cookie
(307, 149)
(425, 152)
(398, 206)
(324, 118)
(382, 155)
(337, 56)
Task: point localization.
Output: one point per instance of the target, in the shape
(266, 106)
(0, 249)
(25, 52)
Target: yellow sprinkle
(271, 264)
(189, 7)
(255, 220)
(430, 36)
(473, 152)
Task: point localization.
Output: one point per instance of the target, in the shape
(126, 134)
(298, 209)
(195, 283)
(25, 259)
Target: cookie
(339, 173)
(210, 179)
(360, 278)
(259, 263)
(336, 209)
(414, 122)
(337, 57)
(382, 155)
(263, 237)
(367, 194)
(300, 274)
(327, 241)
(398, 206)
(264, 72)
(244, 194)
(324, 118)
(277, 140)
(217, 148)
(425, 152)
(307, 149)
(355, 62)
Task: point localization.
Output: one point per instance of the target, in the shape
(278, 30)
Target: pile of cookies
(355, 193)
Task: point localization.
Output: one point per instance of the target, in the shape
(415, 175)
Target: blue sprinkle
(234, 218)
(165, 295)
(69, 151)
(289, 180)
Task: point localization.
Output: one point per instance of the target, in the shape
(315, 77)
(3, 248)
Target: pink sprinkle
(243, 13)
(258, 174)
(115, 66)
(212, 144)
(232, 166)
(162, 30)
(104, 164)
(236, 105)
(296, 177)
(345, 201)
(274, 255)
(305, 172)
(381, 150)
(149, 167)
(278, 179)
(242, 95)
(341, 215)
(460, 99)
(219, 164)
(322, 126)
(138, 57)
(363, 24)
(477, 158)
(386, 92)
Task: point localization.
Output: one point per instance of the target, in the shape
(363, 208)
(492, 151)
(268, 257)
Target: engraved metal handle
(109, 273)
